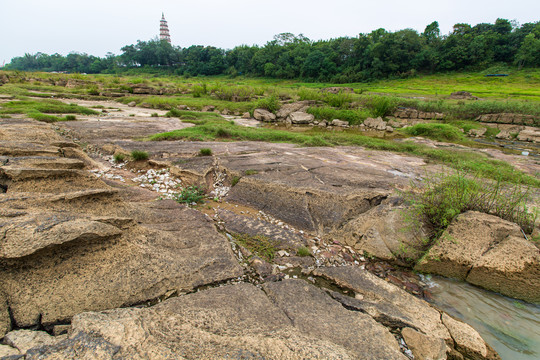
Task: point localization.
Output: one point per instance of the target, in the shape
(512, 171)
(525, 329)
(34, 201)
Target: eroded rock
(299, 117)
(264, 115)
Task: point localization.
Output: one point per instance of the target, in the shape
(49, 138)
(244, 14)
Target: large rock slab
(286, 109)
(237, 321)
(264, 115)
(489, 252)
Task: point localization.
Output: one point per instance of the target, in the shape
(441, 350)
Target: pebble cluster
(160, 181)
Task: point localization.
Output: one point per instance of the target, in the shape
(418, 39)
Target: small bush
(139, 155)
(259, 244)
(440, 132)
(303, 251)
(154, 115)
(250, 172)
(270, 103)
(444, 196)
(119, 157)
(190, 194)
(205, 152)
(235, 180)
(70, 117)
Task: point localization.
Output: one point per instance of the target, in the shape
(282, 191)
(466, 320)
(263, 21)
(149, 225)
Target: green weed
(190, 194)
(259, 244)
(139, 155)
(205, 152)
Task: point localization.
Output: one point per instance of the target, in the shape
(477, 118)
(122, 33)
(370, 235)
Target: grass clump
(205, 152)
(154, 115)
(235, 180)
(119, 157)
(442, 197)
(435, 131)
(303, 251)
(70, 117)
(139, 155)
(259, 244)
(250, 172)
(190, 194)
(270, 103)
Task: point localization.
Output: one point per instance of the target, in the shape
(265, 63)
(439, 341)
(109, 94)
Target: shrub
(440, 132)
(119, 157)
(190, 194)
(446, 195)
(339, 100)
(70, 117)
(259, 244)
(139, 155)
(270, 103)
(154, 115)
(381, 106)
(205, 152)
(235, 180)
(303, 251)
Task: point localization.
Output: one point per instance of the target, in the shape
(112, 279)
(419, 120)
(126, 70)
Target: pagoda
(164, 29)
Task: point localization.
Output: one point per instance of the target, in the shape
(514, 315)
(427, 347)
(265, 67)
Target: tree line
(375, 55)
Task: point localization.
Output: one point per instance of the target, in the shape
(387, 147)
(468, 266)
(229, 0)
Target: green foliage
(119, 157)
(205, 152)
(250, 172)
(354, 117)
(436, 131)
(259, 244)
(442, 197)
(70, 117)
(270, 103)
(155, 115)
(190, 194)
(303, 251)
(139, 155)
(456, 158)
(381, 105)
(235, 180)
(340, 100)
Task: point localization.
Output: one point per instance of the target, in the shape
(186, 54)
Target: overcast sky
(100, 26)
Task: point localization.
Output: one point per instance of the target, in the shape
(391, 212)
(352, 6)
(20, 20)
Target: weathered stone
(264, 115)
(337, 122)
(532, 135)
(385, 302)
(384, 232)
(183, 107)
(477, 132)
(286, 109)
(504, 134)
(375, 123)
(23, 340)
(141, 89)
(462, 95)
(489, 250)
(299, 117)
(424, 347)
(389, 129)
(132, 104)
(314, 313)
(5, 321)
(284, 239)
(208, 108)
(6, 351)
(237, 321)
(467, 340)
(246, 115)
(27, 234)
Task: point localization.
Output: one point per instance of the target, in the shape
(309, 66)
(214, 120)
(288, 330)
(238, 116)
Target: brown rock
(338, 89)
(24, 340)
(467, 340)
(477, 132)
(489, 250)
(299, 117)
(286, 109)
(132, 104)
(6, 350)
(208, 108)
(375, 123)
(532, 135)
(337, 122)
(424, 347)
(5, 321)
(264, 115)
(246, 115)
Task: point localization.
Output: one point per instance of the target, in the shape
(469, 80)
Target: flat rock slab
(238, 321)
(487, 251)
(239, 224)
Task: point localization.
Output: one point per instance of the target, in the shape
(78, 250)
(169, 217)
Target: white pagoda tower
(164, 29)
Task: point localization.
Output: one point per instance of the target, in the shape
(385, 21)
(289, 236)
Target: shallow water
(510, 326)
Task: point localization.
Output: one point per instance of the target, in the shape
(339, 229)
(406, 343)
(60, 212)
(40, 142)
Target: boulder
(8, 352)
(299, 117)
(477, 132)
(375, 123)
(424, 347)
(183, 107)
(141, 89)
(341, 123)
(286, 109)
(504, 134)
(462, 95)
(467, 340)
(132, 104)
(208, 108)
(264, 115)
(246, 115)
(384, 232)
(487, 251)
(532, 135)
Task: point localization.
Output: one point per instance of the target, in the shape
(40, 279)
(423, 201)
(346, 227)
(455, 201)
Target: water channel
(510, 326)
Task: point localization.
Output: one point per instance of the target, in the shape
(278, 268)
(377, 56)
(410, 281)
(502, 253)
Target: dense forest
(379, 54)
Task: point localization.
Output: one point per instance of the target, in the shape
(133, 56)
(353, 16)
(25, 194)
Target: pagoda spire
(164, 29)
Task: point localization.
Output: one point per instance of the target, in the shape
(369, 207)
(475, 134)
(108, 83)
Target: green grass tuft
(139, 155)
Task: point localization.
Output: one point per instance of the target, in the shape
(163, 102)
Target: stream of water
(510, 326)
